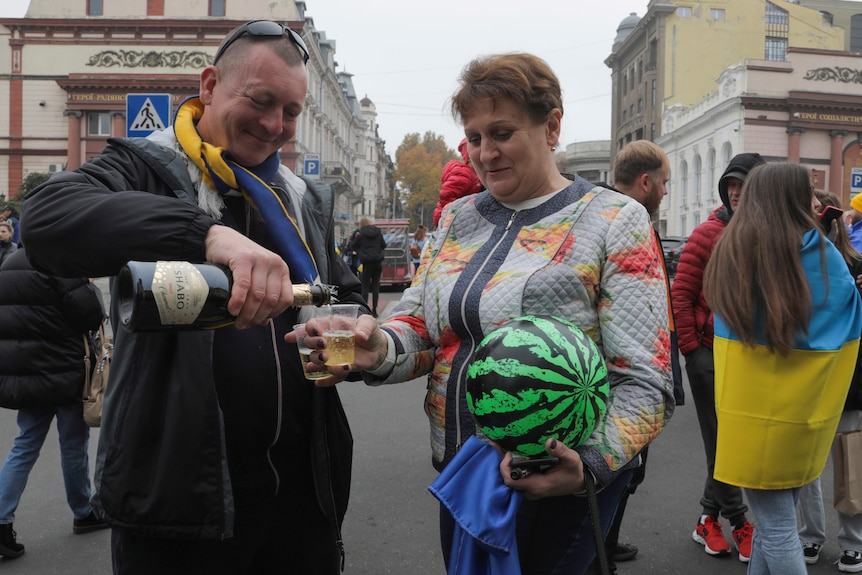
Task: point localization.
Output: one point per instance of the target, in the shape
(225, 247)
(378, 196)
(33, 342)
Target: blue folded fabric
(485, 512)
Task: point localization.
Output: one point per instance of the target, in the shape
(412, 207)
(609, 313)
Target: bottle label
(180, 291)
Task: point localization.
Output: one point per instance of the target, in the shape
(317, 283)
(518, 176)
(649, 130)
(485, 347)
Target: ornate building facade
(677, 73)
(67, 67)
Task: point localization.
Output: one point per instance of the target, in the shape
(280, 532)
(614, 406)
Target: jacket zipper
(458, 438)
(278, 388)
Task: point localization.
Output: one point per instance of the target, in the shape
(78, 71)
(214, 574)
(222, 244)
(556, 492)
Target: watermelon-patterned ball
(535, 378)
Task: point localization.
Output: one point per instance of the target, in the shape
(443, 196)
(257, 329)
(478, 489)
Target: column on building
(74, 138)
(794, 135)
(118, 124)
(836, 172)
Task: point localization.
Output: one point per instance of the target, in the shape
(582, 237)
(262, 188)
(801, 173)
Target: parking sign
(311, 166)
(855, 181)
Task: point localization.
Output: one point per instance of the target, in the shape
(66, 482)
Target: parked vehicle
(672, 247)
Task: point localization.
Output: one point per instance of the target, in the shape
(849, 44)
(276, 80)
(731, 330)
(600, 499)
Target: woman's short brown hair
(523, 79)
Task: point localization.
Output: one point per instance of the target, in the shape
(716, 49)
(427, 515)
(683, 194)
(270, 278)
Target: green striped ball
(535, 378)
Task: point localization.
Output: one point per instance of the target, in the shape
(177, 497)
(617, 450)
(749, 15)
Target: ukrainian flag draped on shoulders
(777, 415)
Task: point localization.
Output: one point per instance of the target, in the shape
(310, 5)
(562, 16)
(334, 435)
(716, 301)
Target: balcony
(336, 175)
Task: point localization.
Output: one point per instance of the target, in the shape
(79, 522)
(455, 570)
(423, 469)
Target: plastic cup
(339, 334)
(305, 353)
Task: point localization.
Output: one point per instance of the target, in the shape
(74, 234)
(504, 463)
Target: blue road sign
(311, 166)
(146, 113)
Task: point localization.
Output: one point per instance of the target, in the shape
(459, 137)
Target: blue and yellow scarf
(221, 173)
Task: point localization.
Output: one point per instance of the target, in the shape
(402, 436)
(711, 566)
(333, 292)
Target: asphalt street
(391, 525)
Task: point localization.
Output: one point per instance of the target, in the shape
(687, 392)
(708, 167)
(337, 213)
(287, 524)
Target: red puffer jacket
(691, 313)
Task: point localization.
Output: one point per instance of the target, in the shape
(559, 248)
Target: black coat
(42, 323)
(370, 245)
(193, 420)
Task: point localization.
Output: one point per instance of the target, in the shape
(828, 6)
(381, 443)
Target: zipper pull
(512, 219)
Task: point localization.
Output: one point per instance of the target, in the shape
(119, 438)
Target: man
(216, 455)
(641, 171)
(694, 331)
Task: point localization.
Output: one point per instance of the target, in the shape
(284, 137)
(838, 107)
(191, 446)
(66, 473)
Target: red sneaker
(708, 534)
(742, 538)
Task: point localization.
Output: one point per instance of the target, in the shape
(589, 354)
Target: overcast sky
(407, 58)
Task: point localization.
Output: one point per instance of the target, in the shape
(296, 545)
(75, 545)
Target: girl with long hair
(787, 324)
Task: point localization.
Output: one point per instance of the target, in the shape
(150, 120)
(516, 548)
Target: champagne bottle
(176, 295)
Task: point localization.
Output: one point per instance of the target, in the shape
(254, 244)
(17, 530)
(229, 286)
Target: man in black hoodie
(694, 331)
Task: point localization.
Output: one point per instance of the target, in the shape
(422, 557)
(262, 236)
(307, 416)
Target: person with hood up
(370, 246)
(457, 180)
(694, 328)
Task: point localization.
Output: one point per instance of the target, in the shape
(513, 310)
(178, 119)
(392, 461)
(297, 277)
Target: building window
(217, 7)
(683, 12)
(716, 13)
(777, 30)
(625, 83)
(856, 33)
(98, 124)
(776, 49)
(652, 132)
(710, 172)
(155, 7)
(653, 54)
(726, 155)
(654, 89)
(697, 180)
(683, 176)
(94, 7)
(640, 105)
(827, 17)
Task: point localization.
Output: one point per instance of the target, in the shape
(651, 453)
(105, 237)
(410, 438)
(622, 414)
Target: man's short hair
(284, 47)
(638, 157)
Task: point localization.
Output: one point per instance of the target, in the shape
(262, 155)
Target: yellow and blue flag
(777, 415)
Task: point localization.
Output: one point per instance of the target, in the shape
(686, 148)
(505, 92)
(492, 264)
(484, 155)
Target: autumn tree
(419, 163)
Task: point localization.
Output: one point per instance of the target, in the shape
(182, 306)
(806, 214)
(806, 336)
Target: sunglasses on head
(264, 28)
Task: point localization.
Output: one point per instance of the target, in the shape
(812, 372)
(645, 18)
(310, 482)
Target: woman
(369, 246)
(417, 245)
(812, 515)
(787, 324)
(533, 242)
(42, 321)
(7, 245)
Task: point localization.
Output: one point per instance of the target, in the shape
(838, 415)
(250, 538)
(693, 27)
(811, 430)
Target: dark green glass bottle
(177, 295)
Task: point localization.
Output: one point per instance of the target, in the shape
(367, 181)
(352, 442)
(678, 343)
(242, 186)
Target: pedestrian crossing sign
(146, 113)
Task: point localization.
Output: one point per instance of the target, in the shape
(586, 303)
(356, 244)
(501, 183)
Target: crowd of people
(216, 455)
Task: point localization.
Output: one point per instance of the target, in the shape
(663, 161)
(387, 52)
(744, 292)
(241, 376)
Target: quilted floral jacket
(588, 255)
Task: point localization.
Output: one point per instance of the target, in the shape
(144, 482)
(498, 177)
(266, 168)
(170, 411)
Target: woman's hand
(563, 478)
(370, 348)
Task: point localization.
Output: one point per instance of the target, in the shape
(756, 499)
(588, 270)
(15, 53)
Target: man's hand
(261, 280)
